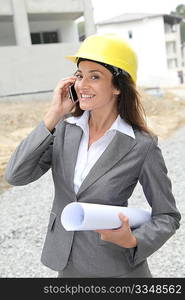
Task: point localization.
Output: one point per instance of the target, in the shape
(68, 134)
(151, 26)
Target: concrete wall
(44, 6)
(5, 7)
(148, 40)
(7, 34)
(67, 30)
(42, 16)
(35, 68)
(27, 68)
(56, 6)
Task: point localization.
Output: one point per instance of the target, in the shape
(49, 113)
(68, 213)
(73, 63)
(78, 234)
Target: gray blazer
(111, 181)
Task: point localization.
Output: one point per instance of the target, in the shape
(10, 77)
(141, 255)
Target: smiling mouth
(86, 97)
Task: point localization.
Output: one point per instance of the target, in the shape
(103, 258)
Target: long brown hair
(129, 104)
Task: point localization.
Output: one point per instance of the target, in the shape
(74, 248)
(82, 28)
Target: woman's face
(94, 87)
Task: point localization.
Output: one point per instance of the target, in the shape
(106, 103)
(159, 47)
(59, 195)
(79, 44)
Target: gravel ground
(25, 210)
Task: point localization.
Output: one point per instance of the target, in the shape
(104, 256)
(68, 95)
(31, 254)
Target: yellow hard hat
(109, 49)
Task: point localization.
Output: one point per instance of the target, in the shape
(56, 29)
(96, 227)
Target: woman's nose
(83, 83)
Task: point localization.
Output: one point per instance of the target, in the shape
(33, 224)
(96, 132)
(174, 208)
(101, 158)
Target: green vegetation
(180, 11)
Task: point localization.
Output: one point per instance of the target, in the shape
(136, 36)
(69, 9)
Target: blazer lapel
(117, 149)
(72, 139)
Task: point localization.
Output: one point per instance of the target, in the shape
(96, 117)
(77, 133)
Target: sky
(105, 9)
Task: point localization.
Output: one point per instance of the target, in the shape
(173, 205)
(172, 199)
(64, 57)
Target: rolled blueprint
(78, 216)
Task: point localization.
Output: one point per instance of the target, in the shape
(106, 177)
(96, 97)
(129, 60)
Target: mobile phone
(72, 93)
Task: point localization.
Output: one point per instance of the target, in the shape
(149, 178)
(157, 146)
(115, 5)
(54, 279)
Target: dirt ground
(164, 115)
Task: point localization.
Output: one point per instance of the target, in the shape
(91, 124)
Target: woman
(98, 149)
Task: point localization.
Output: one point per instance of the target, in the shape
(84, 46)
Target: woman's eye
(78, 76)
(95, 77)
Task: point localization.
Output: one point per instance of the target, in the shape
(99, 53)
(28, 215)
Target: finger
(64, 83)
(71, 79)
(68, 78)
(123, 219)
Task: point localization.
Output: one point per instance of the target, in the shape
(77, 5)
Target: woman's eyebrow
(91, 71)
(77, 71)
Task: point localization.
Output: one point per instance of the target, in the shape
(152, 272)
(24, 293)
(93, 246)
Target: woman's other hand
(60, 104)
(122, 236)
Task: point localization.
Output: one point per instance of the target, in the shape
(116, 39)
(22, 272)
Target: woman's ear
(117, 92)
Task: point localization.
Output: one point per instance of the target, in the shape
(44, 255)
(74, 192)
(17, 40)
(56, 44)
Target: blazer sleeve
(32, 157)
(165, 215)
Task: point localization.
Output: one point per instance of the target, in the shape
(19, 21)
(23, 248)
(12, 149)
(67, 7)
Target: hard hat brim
(72, 58)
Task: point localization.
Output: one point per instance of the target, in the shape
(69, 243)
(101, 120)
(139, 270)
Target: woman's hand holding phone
(61, 103)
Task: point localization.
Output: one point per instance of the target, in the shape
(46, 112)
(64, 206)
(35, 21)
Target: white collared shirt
(87, 157)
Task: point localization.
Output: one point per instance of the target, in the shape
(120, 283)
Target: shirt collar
(118, 125)
(81, 121)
